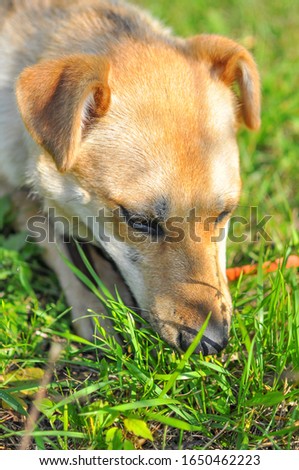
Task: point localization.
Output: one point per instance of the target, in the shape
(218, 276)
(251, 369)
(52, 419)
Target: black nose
(212, 342)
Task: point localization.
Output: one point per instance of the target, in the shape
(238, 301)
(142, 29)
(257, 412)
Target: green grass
(147, 395)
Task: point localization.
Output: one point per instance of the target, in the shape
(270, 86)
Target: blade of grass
(185, 358)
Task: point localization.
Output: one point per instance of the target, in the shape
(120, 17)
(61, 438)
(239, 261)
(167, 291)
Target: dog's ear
(231, 63)
(59, 99)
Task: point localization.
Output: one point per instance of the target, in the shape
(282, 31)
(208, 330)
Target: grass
(146, 395)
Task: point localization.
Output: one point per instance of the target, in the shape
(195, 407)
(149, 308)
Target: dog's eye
(142, 224)
(149, 227)
(222, 216)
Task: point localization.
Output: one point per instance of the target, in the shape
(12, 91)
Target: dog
(128, 132)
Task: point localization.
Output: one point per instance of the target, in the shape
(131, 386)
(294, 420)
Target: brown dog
(131, 137)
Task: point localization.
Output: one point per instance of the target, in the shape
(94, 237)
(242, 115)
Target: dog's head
(149, 135)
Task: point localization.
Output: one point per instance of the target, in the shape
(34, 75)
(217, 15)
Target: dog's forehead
(171, 95)
(210, 188)
(170, 129)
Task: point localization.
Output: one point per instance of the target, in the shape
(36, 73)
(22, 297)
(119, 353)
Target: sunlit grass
(144, 394)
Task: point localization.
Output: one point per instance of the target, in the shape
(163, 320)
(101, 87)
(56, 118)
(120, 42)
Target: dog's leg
(78, 296)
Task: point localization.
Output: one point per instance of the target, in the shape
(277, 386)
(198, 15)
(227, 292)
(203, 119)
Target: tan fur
(53, 121)
(121, 113)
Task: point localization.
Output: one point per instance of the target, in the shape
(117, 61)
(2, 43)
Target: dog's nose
(212, 342)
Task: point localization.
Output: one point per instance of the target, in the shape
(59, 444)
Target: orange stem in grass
(234, 273)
